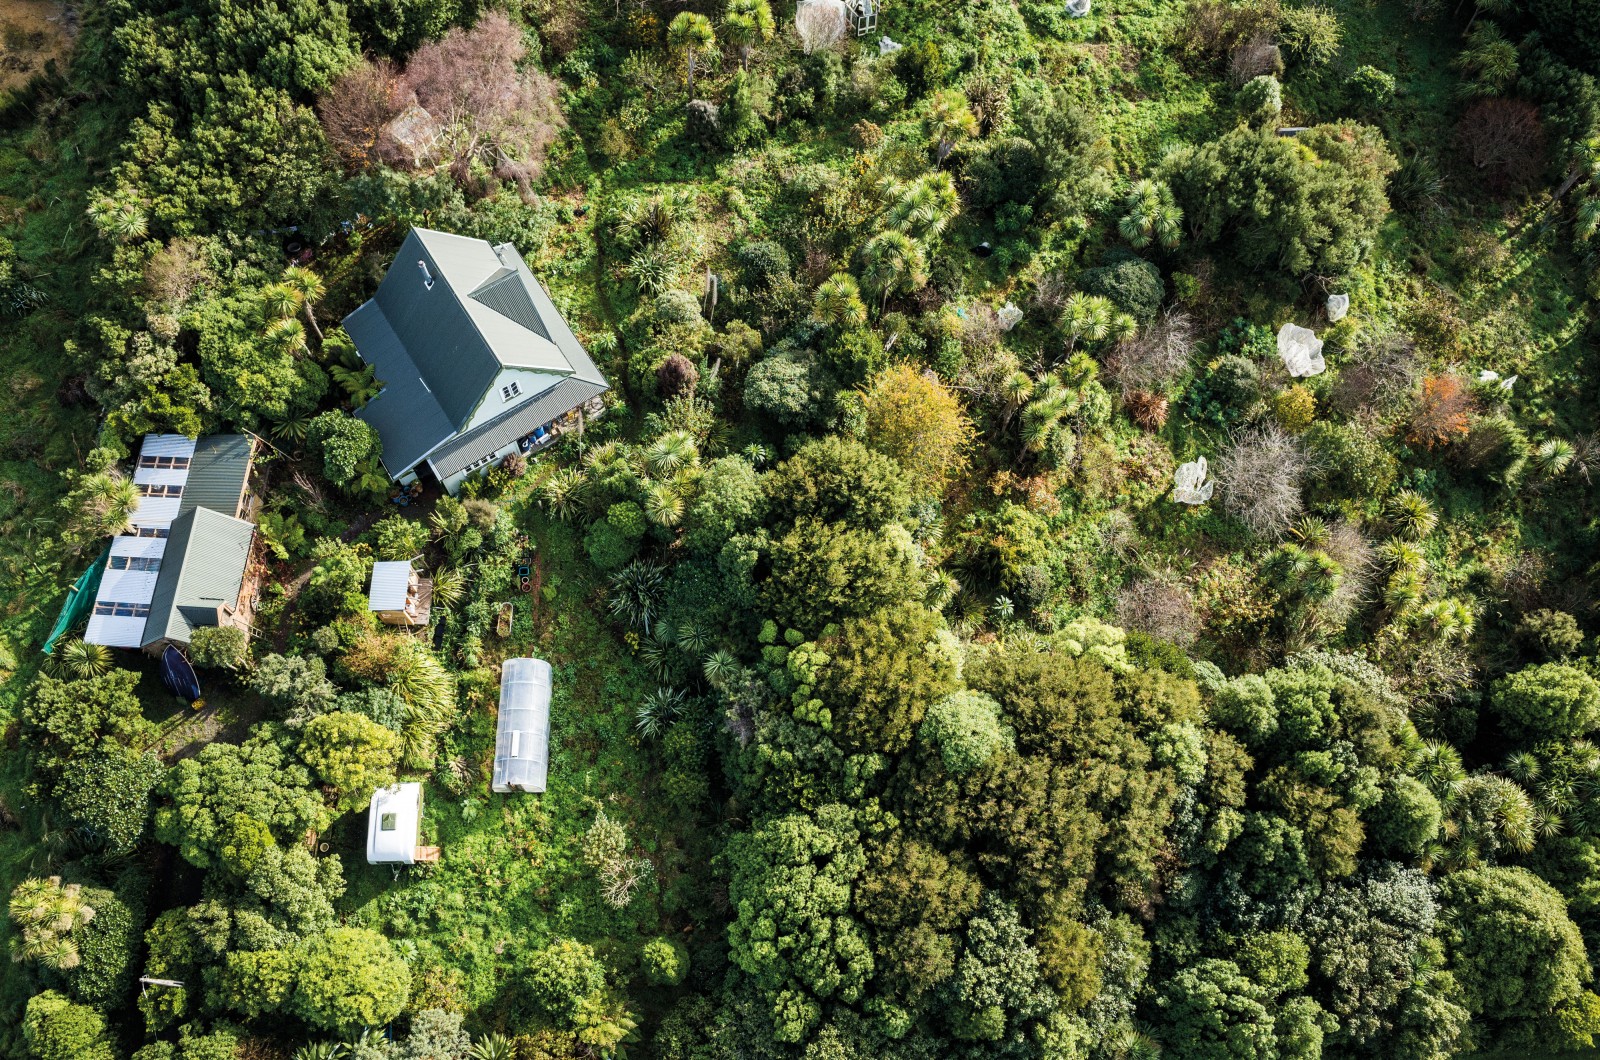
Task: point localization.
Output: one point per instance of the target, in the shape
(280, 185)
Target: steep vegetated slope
(909, 701)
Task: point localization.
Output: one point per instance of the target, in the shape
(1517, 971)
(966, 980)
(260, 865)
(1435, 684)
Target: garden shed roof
(391, 580)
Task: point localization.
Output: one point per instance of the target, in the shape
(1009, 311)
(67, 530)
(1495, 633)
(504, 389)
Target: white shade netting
(1301, 351)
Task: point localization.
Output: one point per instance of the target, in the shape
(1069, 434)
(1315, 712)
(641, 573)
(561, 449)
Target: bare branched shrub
(174, 271)
(1051, 294)
(1161, 607)
(1118, 534)
(821, 24)
(492, 111)
(356, 108)
(1155, 357)
(605, 849)
(465, 96)
(1255, 56)
(1349, 548)
(980, 329)
(1504, 140)
(1258, 479)
(1381, 375)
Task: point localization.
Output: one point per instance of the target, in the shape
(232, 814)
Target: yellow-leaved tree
(911, 416)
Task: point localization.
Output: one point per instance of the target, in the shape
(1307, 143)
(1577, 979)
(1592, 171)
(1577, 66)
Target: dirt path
(32, 34)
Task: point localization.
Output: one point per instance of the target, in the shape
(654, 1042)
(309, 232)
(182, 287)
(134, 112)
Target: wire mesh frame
(863, 16)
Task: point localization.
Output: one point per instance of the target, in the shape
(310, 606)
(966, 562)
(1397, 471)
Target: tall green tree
(793, 932)
(349, 978)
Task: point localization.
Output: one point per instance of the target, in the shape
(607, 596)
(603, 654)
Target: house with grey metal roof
(181, 563)
(472, 358)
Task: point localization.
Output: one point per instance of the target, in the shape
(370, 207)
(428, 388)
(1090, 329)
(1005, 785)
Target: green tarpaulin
(79, 600)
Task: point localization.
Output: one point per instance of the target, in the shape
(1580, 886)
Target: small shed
(399, 595)
(394, 824)
(522, 738)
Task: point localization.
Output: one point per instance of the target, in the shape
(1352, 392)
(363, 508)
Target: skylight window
(510, 390)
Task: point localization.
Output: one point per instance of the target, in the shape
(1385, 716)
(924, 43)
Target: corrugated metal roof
(405, 414)
(115, 632)
(516, 422)
(578, 361)
(433, 325)
(218, 472)
(202, 570)
(156, 511)
(147, 547)
(522, 734)
(506, 293)
(391, 579)
(166, 445)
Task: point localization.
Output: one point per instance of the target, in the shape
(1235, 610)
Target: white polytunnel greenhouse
(522, 740)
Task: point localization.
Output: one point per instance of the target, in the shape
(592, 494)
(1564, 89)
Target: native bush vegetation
(900, 708)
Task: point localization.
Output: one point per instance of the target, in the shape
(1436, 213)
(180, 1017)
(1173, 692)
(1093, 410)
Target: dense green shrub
(1310, 203)
(348, 978)
(793, 391)
(108, 801)
(347, 446)
(560, 976)
(664, 961)
(219, 647)
(966, 730)
(1374, 88)
(1349, 461)
(609, 548)
(1547, 701)
(399, 538)
(57, 1029)
(1549, 635)
(1135, 285)
(1003, 171)
(296, 686)
(762, 263)
(1518, 957)
(1230, 386)
(1407, 818)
